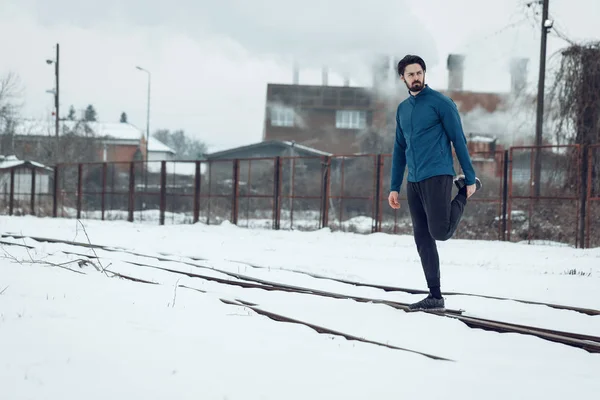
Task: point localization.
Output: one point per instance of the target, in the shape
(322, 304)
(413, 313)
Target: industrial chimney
(381, 71)
(324, 75)
(296, 73)
(455, 72)
(518, 74)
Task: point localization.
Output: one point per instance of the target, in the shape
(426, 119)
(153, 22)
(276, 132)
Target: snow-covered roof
(114, 130)
(155, 145)
(482, 139)
(305, 150)
(10, 162)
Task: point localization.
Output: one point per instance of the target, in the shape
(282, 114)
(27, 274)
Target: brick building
(82, 141)
(335, 118)
(329, 118)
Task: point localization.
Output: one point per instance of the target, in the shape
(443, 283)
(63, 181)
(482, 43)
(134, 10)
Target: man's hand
(393, 200)
(471, 190)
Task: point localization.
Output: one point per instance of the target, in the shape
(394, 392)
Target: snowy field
(78, 334)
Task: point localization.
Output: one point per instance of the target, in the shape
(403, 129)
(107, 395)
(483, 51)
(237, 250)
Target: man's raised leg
(443, 213)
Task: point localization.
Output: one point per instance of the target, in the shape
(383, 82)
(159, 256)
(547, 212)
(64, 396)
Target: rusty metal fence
(481, 220)
(592, 214)
(341, 192)
(550, 212)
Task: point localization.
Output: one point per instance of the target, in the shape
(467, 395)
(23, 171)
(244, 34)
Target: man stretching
(426, 123)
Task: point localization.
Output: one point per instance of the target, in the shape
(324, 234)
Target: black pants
(434, 217)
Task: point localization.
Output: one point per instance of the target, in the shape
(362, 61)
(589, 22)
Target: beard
(415, 86)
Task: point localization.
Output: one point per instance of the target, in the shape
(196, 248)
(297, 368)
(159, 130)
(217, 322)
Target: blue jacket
(425, 126)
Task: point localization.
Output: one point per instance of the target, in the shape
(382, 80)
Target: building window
(282, 116)
(349, 119)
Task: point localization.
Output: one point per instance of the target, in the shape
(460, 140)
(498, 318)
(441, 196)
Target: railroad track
(321, 329)
(246, 304)
(587, 342)
(387, 288)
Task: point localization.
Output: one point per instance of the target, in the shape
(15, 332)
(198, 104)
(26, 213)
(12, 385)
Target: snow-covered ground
(67, 335)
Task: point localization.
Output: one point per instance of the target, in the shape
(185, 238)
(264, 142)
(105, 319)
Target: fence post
(583, 195)
(210, 164)
(325, 165)
(55, 197)
(104, 178)
(508, 198)
(276, 193)
(11, 200)
(79, 188)
(131, 191)
(376, 227)
(590, 166)
(197, 183)
(32, 206)
(504, 193)
(163, 191)
(236, 184)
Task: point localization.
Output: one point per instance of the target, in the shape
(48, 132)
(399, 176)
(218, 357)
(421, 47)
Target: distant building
(335, 118)
(158, 151)
(269, 148)
(328, 118)
(487, 155)
(111, 141)
(257, 165)
(25, 178)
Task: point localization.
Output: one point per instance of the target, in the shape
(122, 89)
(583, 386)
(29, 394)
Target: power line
(519, 11)
(558, 32)
(496, 33)
(556, 29)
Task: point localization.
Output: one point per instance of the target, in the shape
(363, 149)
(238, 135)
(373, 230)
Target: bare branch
(80, 261)
(575, 94)
(175, 292)
(3, 290)
(92, 247)
(27, 248)
(10, 91)
(7, 255)
(10, 87)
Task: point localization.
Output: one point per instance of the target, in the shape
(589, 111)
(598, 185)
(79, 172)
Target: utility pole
(147, 125)
(546, 25)
(56, 93)
(56, 103)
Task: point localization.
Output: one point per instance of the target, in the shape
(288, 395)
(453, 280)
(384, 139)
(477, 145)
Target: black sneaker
(429, 303)
(459, 181)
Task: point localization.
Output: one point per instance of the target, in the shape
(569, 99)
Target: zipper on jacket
(412, 133)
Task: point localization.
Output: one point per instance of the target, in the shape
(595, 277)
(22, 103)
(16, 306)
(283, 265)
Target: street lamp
(55, 92)
(147, 121)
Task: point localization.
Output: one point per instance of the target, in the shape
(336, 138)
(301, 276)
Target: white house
(158, 151)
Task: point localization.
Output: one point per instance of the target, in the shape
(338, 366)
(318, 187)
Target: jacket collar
(422, 93)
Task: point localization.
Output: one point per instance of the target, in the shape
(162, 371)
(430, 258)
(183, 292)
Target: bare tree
(575, 96)
(576, 93)
(185, 146)
(10, 94)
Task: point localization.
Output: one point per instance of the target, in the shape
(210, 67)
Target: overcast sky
(211, 60)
